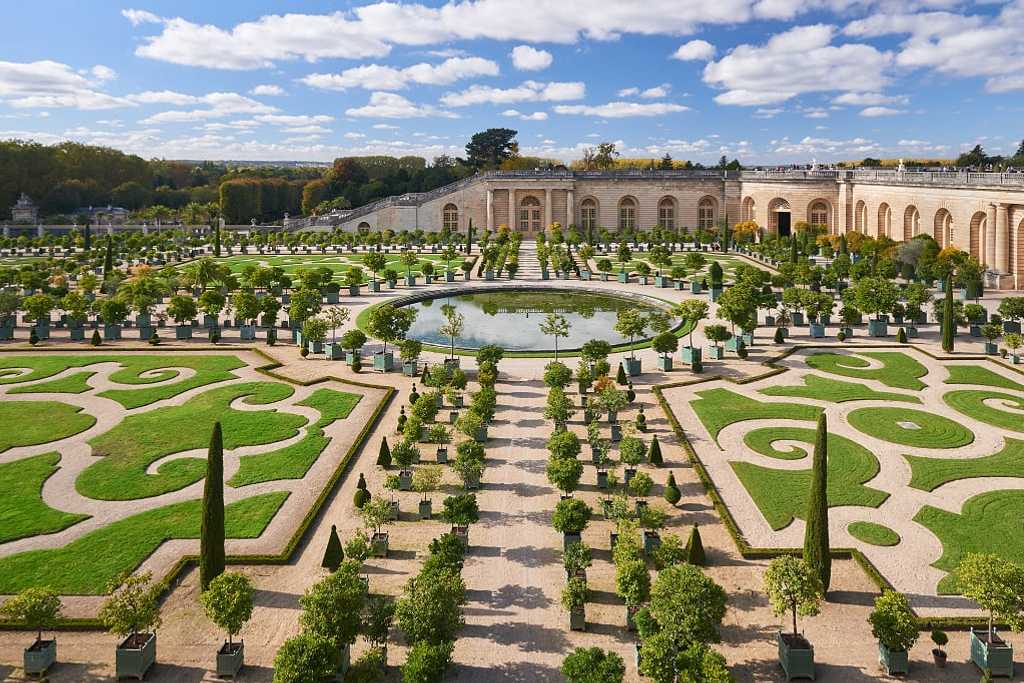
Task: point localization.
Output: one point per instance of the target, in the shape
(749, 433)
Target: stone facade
(982, 214)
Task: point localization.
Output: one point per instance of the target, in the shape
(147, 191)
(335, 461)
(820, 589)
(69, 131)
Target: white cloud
(695, 50)
(526, 58)
(384, 126)
(800, 60)
(629, 92)
(617, 110)
(293, 119)
(768, 113)
(657, 92)
(391, 106)
(861, 99)
(382, 77)
(267, 90)
(307, 129)
(103, 73)
(529, 91)
(138, 16)
(48, 84)
(221, 104)
(535, 116)
(164, 97)
(873, 112)
(354, 136)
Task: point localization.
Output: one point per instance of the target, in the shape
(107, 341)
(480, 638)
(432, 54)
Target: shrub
(671, 552)
(671, 493)
(687, 604)
(334, 554)
(892, 622)
(132, 606)
(640, 485)
(228, 601)
(780, 336)
(361, 498)
(305, 657)
(557, 374)
(654, 452)
(427, 663)
(901, 336)
(695, 548)
(95, 340)
(383, 455)
(792, 586)
(593, 665)
(632, 582)
(575, 594)
(461, 510)
(571, 516)
(564, 473)
(576, 557)
(563, 445)
(37, 608)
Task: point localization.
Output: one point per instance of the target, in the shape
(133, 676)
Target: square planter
(584, 274)
(353, 290)
(449, 276)
(379, 544)
(616, 432)
(77, 333)
(452, 363)
(912, 332)
(133, 658)
(623, 277)
(816, 330)
(716, 352)
(695, 287)
(489, 275)
(652, 541)
(383, 362)
(578, 620)
(405, 480)
(146, 332)
(247, 332)
(333, 351)
(1011, 326)
(998, 657)
(631, 366)
(316, 347)
(878, 328)
(461, 533)
(604, 277)
(111, 332)
(374, 286)
(661, 281)
(425, 509)
(481, 434)
(796, 656)
(569, 538)
(409, 368)
(39, 657)
(690, 354)
(797, 318)
(230, 659)
(665, 363)
(991, 349)
(602, 479)
(410, 280)
(715, 293)
(894, 661)
(442, 455)
(975, 330)
(734, 344)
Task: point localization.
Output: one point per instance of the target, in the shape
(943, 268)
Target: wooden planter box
(409, 368)
(878, 328)
(379, 544)
(816, 330)
(39, 657)
(796, 656)
(569, 538)
(578, 620)
(665, 363)
(632, 366)
(405, 480)
(110, 332)
(383, 362)
(442, 455)
(461, 533)
(997, 657)
(652, 541)
(716, 352)
(894, 661)
(334, 351)
(134, 662)
(426, 509)
(230, 659)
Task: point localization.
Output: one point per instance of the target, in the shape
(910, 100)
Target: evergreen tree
(654, 453)
(216, 239)
(843, 249)
(334, 555)
(816, 545)
(384, 455)
(901, 336)
(948, 321)
(211, 539)
(671, 493)
(361, 484)
(108, 260)
(793, 255)
(87, 237)
(695, 549)
(95, 339)
(620, 376)
(361, 498)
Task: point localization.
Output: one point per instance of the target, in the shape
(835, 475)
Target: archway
(979, 226)
(667, 213)
(1016, 255)
(588, 215)
(748, 209)
(450, 218)
(779, 217)
(363, 227)
(911, 223)
(860, 217)
(942, 229)
(707, 213)
(530, 215)
(627, 214)
(819, 214)
(884, 220)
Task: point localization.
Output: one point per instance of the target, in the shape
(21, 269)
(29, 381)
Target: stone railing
(943, 178)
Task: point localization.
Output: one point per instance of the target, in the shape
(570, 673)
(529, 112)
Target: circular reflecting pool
(511, 318)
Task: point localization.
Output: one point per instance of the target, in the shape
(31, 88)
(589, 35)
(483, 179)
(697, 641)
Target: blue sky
(768, 81)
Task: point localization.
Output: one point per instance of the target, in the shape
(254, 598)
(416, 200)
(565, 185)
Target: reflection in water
(511, 319)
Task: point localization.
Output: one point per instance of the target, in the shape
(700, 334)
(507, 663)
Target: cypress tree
(654, 454)
(108, 259)
(792, 250)
(843, 249)
(695, 549)
(95, 339)
(87, 242)
(948, 324)
(211, 538)
(816, 545)
(216, 239)
(620, 376)
(334, 555)
(671, 493)
(383, 456)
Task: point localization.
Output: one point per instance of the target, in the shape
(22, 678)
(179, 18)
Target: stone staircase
(529, 266)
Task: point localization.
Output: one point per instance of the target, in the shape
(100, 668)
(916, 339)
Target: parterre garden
(925, 458)
(340, 264)
(103, 456)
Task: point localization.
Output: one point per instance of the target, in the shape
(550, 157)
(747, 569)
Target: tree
(875, 295)
(571, 516)
(428, 610)
(665, 343)
(816, 541)
(605, 155)
(390, 323)
(692, 311)
(108, 259)
(671, 493)
(630, 323)
(793, 586)
(228, 602)
(995, 584)
(564, 473)
(654, 453)
(556, 326)
(687, 605)
(487, 149)
(384, 454)
(132, 607)
(36, 607)
(334, 554)
(332, 607)
(305, 658)
(453, 325)
(427, 662)
(211, 543)
(893, 623)
(593, 665)
(461, 510)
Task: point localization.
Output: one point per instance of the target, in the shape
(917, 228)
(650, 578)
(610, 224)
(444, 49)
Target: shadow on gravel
(527, 672)
(533, 556)
(525, 597)
(527, 637)
(278, 599)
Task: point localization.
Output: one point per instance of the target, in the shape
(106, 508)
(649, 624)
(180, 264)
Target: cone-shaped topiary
(361, 484)
(780, 336)
(695, 548)
(424, 378)
(216, 239)
(334, 555)
(816, 545)
(383, 456)
(357, 364)
(620, 376)
(108, 259)
(901, 336)
(654, 452)
(361, 498)
(95, 340)
(671, 493)
(211, 536)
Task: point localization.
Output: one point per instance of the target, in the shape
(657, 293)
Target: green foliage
(429, 608)
(687, 604)
(564, 473)
(557, 374)
(671, 493)
(793, 586)
(576, 557)
(333, 606)
(996, 584)
(27, 423)
(37, 608)
(211, 535)
(228, 601)
(133, 606)
(975, 403)
(930, 431)
(305, 658)
(461, 510)
(654, 456)
(899, 370)
(892, 621)
(427, 662)
(816, 538)
(875, 534)
(837, 391)
(593, 665)
(571, 516)
(927, 474)
(695, 548)
(575, 594)
(719, 408)
(22, 510)
(671, 551)
(632, 582)
(334, 555)
(974, 374)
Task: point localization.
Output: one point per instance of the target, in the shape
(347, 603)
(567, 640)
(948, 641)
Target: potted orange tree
(132, 612)
(893, 624)
(228, 603)
(792, 586)
(36, 608)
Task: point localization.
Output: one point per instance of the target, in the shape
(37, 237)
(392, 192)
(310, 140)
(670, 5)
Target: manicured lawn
(900, 371)
(972, 403)
(77, 383)
(875, 534)
(929, 474)
(929, 430)
(763, 441)
(719, 408)
(332, 405)
(781, 495)
(27, 423)
(22, 510)
(86, 566)
(836, 391)
(974, 374)
(989, 523)
(129, 448)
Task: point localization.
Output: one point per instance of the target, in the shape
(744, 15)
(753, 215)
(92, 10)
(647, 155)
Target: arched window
(530, 215)
(588, 215)
(667, 213)
(450, 218)
(749, 208)
(943, 228)
(779, 214)
(706, 213)
(627, 214)
(818, 214)
(911, 223)
(860, 217)
(979, 226)
(884, 220)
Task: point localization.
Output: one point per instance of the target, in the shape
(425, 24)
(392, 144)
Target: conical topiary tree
(654, 454)
(948, 323)
(695, 549)
(620, 376)
(334, 555)
(901, 336)
(216, 239)
(671, 493)
(816, 545)
(211, 537)
(361, 484)
(383, 456)
(108, 259)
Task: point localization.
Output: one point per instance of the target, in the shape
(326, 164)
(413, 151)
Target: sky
(765, 81)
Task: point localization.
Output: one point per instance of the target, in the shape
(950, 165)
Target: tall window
(819, 214)
(667, 213)
(529, 215)
(450, 217)
(588, 215)
(627, 214)
(706, 214)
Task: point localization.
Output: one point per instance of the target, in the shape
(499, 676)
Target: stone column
(547, 208)
(570, 210)
(513, 224)
(1002, 262)
(989, 248)
(490, 210)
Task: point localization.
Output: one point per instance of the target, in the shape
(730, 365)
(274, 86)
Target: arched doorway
(707, 210)
(780, 217)
(911, 223)
(530, 212)
(942, 230)
(748, 209)
(363, 227)
(627, 214)
(979, 226)
(884, 220)
(860, 217)
(450, 218)
(667, 213)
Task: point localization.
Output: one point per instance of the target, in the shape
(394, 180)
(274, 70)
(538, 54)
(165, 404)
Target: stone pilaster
(1002, 262)
(547, 208)
(570, 210)
(989, 252)
(490, 210)
(513, 220)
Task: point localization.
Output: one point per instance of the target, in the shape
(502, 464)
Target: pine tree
(383, 456)
(671, 493)
(108, 259)
(695, 549)
(654, 453)
(948, 324)
(816, 545)
(620, 376)
(95, 340)
(334, 555)
(211, 539)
